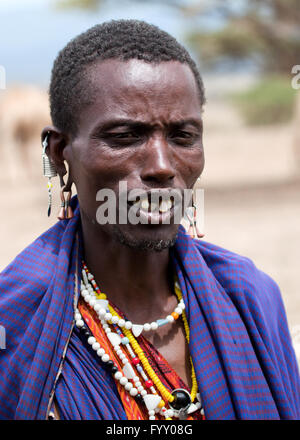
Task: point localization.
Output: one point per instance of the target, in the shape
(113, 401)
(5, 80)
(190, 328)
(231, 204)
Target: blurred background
(249, 55)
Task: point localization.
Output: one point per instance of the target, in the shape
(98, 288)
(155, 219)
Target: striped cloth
(239, 339)
(81, 371)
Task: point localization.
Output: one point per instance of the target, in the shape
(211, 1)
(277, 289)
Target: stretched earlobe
(66, 211)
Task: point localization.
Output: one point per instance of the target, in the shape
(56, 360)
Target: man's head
(70, 89)
(127, 107)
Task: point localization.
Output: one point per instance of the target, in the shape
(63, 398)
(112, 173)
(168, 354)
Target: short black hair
(119, 39)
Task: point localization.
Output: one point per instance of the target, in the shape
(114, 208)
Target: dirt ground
(252, 200)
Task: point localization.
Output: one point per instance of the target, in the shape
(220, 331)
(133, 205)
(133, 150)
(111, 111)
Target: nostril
(158, 177)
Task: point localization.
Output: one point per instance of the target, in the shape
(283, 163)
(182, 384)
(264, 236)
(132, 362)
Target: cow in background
(24, 111)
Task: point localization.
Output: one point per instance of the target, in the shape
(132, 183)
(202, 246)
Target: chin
(145, 242)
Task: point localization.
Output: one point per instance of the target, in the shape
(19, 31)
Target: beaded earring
(48, 171)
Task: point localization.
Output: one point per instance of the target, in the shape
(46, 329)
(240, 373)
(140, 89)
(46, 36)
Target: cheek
(192, 166)
(100, 167)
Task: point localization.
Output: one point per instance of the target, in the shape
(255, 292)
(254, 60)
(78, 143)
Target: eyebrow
(198, 123)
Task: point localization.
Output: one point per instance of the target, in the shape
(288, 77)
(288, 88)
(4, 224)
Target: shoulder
(257, 298)
(32, 306)
(254, 293)
(34, 266)
(38, 260)
(237, 273)
(24, 284)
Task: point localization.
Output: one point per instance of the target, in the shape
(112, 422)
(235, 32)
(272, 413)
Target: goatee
(143, 244)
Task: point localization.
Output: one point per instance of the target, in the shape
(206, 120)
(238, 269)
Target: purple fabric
(240, 343)
(80, 393)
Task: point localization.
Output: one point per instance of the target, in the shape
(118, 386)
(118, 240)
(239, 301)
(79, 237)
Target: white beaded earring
(48, 170)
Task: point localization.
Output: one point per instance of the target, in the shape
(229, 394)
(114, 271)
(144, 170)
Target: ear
(57, 141)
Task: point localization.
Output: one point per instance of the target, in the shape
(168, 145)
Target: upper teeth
(145, 204)
(163, 206)
(154, 207)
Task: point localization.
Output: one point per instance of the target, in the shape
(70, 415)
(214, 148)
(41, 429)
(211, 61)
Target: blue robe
(239, 339)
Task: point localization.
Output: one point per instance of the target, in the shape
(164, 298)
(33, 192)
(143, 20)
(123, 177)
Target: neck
(139, 282)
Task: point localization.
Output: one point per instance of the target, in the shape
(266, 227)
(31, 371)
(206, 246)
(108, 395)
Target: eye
(123, 135)
(123, 138)
(181, 134)
(185, 134)
(183, 137)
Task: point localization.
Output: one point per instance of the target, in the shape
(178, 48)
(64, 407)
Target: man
(126, 104)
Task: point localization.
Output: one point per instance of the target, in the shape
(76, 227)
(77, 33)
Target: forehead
(144, 91)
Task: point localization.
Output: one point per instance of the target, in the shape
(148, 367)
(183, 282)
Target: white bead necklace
(100, 307)
(127, 376)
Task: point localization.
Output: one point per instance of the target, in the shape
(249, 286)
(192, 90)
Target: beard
(156, 245)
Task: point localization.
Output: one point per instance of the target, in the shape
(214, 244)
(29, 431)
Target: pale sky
(32, 32)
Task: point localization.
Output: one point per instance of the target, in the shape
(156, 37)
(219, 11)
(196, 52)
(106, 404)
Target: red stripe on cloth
(156, 360)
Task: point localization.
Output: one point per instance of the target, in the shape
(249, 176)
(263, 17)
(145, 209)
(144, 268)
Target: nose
(158, 162)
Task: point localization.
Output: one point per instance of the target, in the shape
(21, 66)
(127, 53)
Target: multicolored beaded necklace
(136, 375)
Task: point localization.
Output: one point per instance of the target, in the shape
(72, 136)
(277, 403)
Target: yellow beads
(163, 391)
(100, 295)
(187, 332)
(166, 395)
(161, 404)
(160, 387)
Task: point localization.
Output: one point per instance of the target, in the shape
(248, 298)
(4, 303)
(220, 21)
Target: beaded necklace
(136, 329)
(136, 375)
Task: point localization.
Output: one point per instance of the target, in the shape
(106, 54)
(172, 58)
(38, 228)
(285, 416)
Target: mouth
(156, 206)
